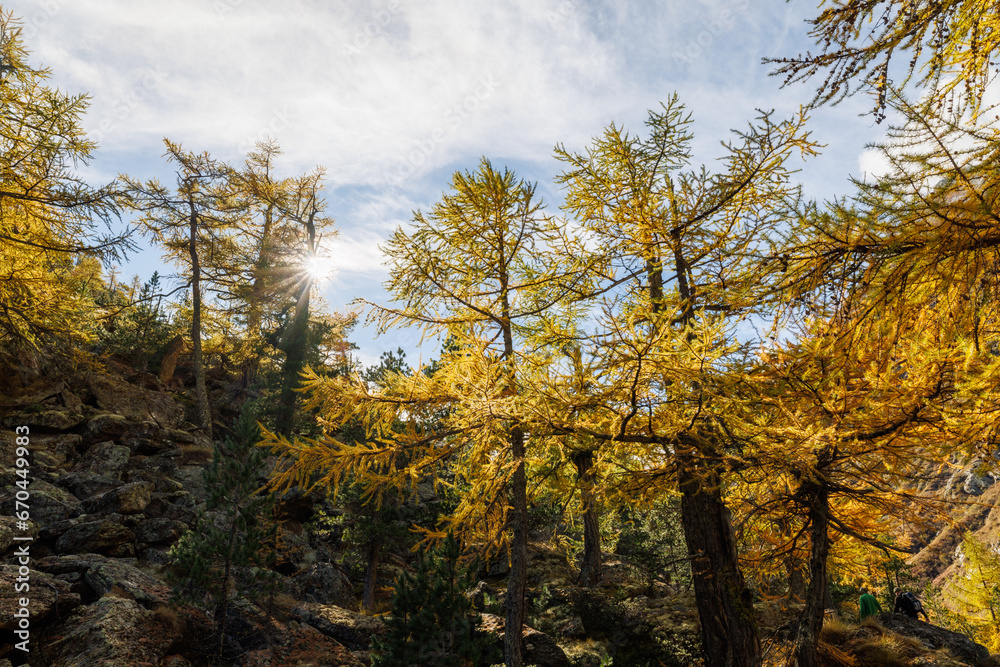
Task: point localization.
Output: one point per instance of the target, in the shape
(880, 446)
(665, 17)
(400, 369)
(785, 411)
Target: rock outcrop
(48, 597)
(935, 638)
(539, 648)
(111, 632)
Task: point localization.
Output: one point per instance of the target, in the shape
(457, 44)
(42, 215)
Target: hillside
(115, 469)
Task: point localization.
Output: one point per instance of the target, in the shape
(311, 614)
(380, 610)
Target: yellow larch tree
(975, 589)
(257, 273)
(49, 217)
(682, 249)
(863, 44)
(188, 224)
(921, 243)
(489, 271)
(901, 285)
(843, 428)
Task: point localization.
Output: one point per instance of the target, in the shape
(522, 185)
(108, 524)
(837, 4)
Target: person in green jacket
(868, 604)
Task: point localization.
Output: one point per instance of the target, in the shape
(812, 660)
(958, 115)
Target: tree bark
(517, 490)
(796, 582)
(725, 604)
(294, 347)
(517, 522)
(200, 390)
(807, 638)
(371, 574)
(590, 567)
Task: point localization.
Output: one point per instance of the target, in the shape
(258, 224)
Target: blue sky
(393, 96)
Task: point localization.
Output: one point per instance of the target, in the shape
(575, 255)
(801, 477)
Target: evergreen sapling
(432, 621)
(226, 555)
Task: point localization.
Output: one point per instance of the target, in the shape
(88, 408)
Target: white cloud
(355, 87)
(363, 85)
(357, 254)
(872, 165)
(392, 95)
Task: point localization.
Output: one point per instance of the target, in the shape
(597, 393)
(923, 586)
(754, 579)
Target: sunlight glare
(319, 268)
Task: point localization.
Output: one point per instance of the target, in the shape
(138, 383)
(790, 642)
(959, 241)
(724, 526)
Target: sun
(319, 268)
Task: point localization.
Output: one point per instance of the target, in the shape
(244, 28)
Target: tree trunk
(725, 604)
(254, 347)
(517, 523)
(796, 582)
(294, 347)
(812, 617)
(590, 567)
(654, 273)
(222, 608)
(200, 390)
(371, 575)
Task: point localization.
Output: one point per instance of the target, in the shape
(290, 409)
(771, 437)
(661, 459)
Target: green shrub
(432, 621)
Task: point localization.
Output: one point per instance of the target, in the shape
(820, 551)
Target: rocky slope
(115, 478)
(115, 470)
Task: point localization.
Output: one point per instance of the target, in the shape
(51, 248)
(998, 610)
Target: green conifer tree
(136, 325)
(432, 621)
(225, 556)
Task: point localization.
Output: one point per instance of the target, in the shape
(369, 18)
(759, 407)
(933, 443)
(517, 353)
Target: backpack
(914, 601)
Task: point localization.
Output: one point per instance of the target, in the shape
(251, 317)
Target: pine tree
(432, 620)
(136, 325)
(225, 555)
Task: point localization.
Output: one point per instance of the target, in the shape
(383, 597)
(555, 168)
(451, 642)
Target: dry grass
(838, 631)
(884, 651)
(831, 656)
(381, 606)
(168, 617)
(845, 642)
(195, 455)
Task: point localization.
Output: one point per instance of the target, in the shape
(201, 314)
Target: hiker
(868, 605)
(907, 603)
